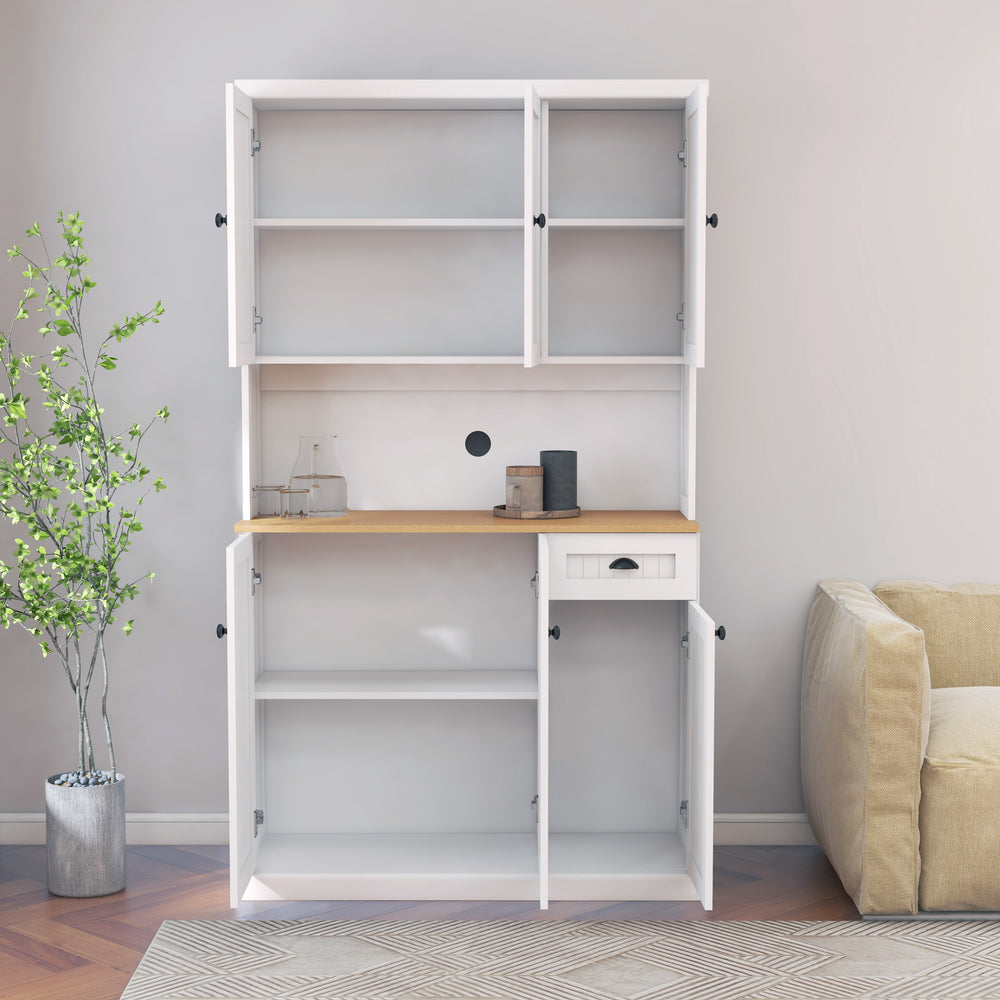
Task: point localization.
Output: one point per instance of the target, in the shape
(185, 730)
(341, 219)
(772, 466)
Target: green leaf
(128, 626)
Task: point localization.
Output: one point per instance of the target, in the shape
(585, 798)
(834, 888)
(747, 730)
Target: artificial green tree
(70, 486)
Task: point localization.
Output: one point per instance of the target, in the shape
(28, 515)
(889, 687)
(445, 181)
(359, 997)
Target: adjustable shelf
(379, 223)
(624, 223)
(398, 685)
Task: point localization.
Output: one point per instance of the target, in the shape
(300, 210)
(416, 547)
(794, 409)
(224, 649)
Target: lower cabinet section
(400, 732)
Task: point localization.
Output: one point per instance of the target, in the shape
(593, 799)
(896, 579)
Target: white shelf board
(635, 866)
(351, 359)
(396, 866)
(616, 359)
(382, 223)
(398, 685)
(615, 853)
(606, 223)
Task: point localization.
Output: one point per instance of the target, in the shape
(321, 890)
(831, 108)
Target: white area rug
(568, 960)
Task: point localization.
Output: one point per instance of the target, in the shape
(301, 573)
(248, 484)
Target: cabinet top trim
(473, 522)
(348, 94)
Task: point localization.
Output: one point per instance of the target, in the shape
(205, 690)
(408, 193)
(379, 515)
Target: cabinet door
(239, 224)
(694, 228)
(533, 235)
(240, 649)
(699, 781)
(542, 593)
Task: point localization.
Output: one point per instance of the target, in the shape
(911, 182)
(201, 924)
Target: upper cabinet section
(458, 222)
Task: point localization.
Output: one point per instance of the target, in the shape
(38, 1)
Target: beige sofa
(901, 742)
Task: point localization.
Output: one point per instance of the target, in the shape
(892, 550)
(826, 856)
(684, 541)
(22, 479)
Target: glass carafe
(318, 469)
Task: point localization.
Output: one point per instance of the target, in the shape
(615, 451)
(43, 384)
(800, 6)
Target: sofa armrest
(865, 719)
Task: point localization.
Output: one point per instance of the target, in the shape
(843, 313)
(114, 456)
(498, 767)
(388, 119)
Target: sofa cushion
(960, 784)
(961, 626)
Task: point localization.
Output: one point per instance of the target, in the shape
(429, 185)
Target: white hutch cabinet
(409, 262)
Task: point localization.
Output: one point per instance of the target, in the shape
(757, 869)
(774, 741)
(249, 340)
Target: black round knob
(220, 220)
(539, 220)
(554, 632)
(221, 630)
(721, 632)
(712, 220)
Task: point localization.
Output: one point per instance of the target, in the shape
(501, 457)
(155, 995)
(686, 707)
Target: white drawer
(666, 567)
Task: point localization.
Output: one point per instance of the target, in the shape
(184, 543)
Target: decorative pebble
(86, 779)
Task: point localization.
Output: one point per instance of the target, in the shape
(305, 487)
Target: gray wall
(849, 408)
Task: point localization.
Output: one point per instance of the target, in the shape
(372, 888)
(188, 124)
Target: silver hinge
(682, 153)
(686, 645)
(534, 806)
(254, 142)
(684, 812)
(258, 820)
(255, 580)
(534, 584)
(680, 316)
(257, 319)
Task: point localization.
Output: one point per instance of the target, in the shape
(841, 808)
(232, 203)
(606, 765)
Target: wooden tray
(534, 515)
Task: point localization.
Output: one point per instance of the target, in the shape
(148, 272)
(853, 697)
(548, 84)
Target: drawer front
(666, 567)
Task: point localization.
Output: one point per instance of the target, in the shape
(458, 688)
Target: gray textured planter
(85, 838)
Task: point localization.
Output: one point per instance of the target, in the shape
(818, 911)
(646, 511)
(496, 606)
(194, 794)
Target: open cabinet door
(694, 227)
(239, 224)
(533, 234)
(542, 593)
(700, 783)
(240, 648)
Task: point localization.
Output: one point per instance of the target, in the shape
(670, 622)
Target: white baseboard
(762, 829)
(751, 829)
(140, 828)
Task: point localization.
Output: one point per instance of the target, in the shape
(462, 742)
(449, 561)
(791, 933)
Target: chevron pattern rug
(569, 960)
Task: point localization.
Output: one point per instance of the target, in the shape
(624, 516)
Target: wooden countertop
(472, 522)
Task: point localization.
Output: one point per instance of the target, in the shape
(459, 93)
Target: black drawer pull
(623, 562)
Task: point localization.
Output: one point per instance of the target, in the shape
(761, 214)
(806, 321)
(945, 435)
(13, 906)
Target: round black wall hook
(220, 220)
(712, 220)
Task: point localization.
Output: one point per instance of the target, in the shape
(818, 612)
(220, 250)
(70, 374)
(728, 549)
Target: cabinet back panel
(391, 293)
(615, 164)
(406, 450)
(391, 164)
(615, 292)
(613, 709)
(391, 767)
(353, 602)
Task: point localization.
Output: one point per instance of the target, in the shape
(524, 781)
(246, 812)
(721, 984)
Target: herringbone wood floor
(86, 949)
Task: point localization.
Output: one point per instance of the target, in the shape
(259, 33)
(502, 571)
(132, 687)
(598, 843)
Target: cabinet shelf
(619, 866)
(471, 522)
(380, 223)
(606, 223)
(398, 685)
(386, 359)
(396, 866)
